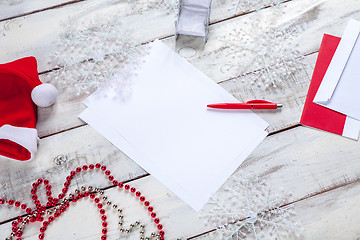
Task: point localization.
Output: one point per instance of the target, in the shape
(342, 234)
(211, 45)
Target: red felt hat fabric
(18, 136)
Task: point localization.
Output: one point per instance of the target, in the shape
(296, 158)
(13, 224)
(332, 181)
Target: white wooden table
(321, 170)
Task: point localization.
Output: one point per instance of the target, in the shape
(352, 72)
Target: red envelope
(317, 116)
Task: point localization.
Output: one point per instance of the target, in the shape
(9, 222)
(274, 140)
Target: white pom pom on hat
(20, 90)
(44, 95)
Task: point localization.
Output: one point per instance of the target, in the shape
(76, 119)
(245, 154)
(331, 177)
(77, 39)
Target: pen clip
(258, 101)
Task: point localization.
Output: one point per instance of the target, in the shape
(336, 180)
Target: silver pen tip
(279, 106)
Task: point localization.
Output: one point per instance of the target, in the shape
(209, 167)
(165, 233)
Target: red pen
(253, 104)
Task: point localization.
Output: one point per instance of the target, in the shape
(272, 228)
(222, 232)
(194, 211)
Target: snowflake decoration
(268, 57)
(92, 53)
(247, 208)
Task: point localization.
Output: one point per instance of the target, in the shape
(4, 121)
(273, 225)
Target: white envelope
(166, 128)
(339, 89)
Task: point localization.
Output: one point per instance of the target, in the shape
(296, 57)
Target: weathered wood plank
(15, 8)
(303, 161)
(146, 24)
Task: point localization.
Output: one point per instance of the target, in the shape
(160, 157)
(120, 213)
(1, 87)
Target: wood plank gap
(42, 10)
(64, 130)
(245, 13)
(284, 129)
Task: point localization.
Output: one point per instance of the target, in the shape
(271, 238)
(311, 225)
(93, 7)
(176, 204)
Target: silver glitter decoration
(94, 52)
(251, 5)
(247, 208)
(170, 6)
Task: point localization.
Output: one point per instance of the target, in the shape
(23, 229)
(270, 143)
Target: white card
(167, 129)
(339, 90)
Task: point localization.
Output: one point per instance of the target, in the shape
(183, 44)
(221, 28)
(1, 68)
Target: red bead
(91, 166)
(72, 173)
(41, 236)
(20, 219)
(97, 200)
(35, 184)
(161, 238)
(146, 203)
(102, 211)
(103, 167)
(92, 195)
(159, 226)
(42, 229)
(98, 165)
(150, 209)
(99, 205)
(107, 172)
(78, 169)
(17, 204)
(103, 237)
(85, 167)
(46, 182)
(61, 195)
(14, 229)
(14, 223)
(2, 201)
(156, 220)
(57, 214)
(127, 187)
(48, 187)
(64, 190)
(153, 215)
(104, 224)
(33, 191)
(28, 210)
(142, 198)
(48, 193)
(133, 189)
(86, 194)
(162, 233)
(115, 182)
(111, 178)
(23, 206)
(138, 194)
(103, 217)
(104, 230)
(18, 234)
(68, 178)
(46, 223)
(66, 184)
(40, 181)
(11, 202)
(51, 219)
(121, 185)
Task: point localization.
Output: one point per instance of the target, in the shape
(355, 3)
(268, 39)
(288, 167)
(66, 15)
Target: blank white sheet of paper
(166, 128)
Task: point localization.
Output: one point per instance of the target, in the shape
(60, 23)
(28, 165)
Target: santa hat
(20, 88)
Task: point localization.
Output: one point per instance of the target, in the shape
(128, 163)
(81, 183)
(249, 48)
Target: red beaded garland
(40, 209)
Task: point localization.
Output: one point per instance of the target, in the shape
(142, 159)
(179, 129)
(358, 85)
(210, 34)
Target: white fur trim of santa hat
(25, 137)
